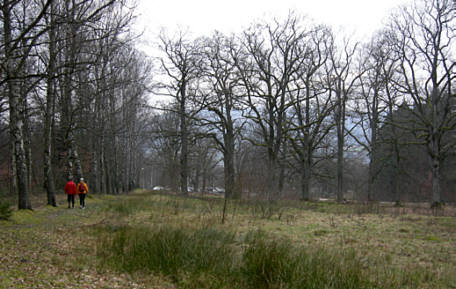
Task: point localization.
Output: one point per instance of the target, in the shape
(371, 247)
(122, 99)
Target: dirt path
(55, 248)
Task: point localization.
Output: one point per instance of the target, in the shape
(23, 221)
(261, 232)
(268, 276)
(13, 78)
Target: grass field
(152, 240)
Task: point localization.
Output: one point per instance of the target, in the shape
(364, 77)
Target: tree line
(287, 107)
(290, 105)
(73, 95)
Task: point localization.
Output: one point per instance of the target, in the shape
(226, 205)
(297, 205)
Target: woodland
(288, 155)
(286, 109)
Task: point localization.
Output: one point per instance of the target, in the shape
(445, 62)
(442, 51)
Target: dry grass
(385, 240)
(55, 247)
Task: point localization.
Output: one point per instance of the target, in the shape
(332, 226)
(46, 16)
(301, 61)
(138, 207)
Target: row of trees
(285, 106)
(288, 100)
(73, 96)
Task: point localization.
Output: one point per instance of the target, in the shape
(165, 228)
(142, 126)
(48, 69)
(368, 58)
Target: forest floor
(59, 247)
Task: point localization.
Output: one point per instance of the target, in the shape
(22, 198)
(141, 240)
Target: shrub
(5, 210)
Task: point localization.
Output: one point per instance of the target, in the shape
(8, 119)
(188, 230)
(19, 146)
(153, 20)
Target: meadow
(157, 240)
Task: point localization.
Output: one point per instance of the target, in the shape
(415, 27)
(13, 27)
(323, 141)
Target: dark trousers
(82, 200)
(70, 200)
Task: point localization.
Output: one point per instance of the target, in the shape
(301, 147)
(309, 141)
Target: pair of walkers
(71, 189)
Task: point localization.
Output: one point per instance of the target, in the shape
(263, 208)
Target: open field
(151, 240)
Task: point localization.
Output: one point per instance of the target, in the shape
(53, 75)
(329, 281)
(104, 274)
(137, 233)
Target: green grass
(220, 260)
(167, 250)
(278, 264)
(150, 240)
(403, 251)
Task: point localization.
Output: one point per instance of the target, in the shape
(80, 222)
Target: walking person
(70, 190)
(82, 190)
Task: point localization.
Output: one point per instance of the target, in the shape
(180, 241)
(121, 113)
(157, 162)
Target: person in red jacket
(70, 190)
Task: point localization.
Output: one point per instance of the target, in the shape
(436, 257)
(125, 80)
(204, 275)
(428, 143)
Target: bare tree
(424, 35)
(78, 53)
(96, 67)
(224, 84)
(14, 61)
(50, 107)
(267, 76)
(309, 124)
(164, 145)
(182, 65)
(341, 80)
(372, 103)
(392, 96)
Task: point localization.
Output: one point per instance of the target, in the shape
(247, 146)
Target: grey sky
(205, 16)
(359, 18)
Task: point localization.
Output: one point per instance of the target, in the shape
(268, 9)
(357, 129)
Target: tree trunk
(184, 146)
(370, 181)
(305, 181)
(49, 117)
(229, 175)
(395, 152)
(108, 180)
(373, 148)
(395, 176)
(281, 176)
(436, 190)
(197, 177)
(101, 172)
(16, 127)
(13, 179)
(229, 157)
(203, 185)
(27, 134)
(94, 184)
(340, 122)
(271, 178)
(24, 201)
(281, 179)
(340, 165)
(435, 147)
(77, 161)
(16, 123)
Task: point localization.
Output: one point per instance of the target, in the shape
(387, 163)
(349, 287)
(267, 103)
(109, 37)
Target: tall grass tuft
(267, 263)
(271, 263)
(170, 251)
(209, 258)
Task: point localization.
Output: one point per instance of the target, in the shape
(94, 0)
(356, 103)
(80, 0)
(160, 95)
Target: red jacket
(70, 188)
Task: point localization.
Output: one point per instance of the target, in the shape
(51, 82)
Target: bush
(5, 210)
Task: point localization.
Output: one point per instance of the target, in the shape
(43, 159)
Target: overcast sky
(359, 18)
(204, 16)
